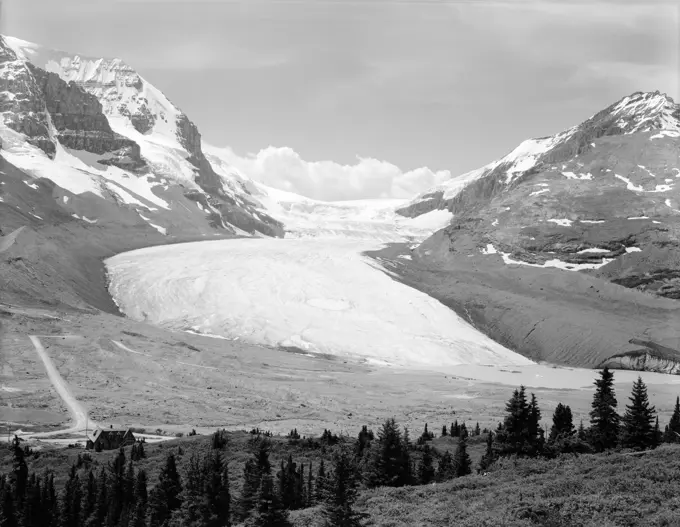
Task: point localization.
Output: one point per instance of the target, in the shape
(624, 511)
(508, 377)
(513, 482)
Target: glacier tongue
(321, 296)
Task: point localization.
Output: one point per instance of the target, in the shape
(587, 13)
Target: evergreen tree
(19, 475)
(604, 420)
(141, 491)
(638, 431)
(254, 470)
(364, 440)
(8, 516)
(444, 431)
(391, 463)
(463, 434)
(89, 496)
(71, 500)
(672, 433)
(310, 488)
(165, 498)
(489, 456)
(658, 435)
(426, 468)
(321, 483)
(520, 433)
(445, 467)
(581, 431)
(269, 511)
(338, 508)
(118, 487)
(534, 419)
(461, 459)
(455, 429)
(477, 430)
(138, 518)
(563, 424)
(98, 515)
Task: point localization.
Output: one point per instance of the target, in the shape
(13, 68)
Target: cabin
(109, 438)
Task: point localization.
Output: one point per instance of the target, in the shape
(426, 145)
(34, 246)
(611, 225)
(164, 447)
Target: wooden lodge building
(109, 438)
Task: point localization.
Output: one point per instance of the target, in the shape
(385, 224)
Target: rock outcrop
(651, 357)
(21, 101)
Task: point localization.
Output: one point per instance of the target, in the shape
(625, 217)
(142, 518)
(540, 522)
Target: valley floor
(133, 374)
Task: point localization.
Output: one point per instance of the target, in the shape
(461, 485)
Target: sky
(351, 99)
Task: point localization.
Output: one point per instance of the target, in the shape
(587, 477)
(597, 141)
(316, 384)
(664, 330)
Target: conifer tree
(658, 434)
(141, 492)
(19, 476)
(445, 468)
(321, 483)
(310, 488)
(637, 430)
(581, 431)
(90, 496)
(165, 497)
(461, 459)
(463, 433)
(477, 429)
(391, 463)
(99, 514)
(426, 468)
(338, 508)
(269, 510)
(534, 419)
(254, 470)
(444, 431)
(8, 515)
(604, 420)
(455, 429)
(563, 424)
(489, 456)
(672, 432)
(364, 440)
(71, 500)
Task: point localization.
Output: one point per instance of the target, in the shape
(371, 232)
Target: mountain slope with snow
(567, 249)
(94, 125)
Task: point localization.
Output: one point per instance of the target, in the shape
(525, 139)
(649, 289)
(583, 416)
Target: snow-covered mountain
(602, 195)
(97, 129)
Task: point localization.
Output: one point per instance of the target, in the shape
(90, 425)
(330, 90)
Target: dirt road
(78, 412)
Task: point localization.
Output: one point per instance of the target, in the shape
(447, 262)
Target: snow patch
(571, 175)
(562, 222)
(593, 250)
(539, 192)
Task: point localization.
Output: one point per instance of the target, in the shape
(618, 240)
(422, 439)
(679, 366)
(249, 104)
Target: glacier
(317, 295)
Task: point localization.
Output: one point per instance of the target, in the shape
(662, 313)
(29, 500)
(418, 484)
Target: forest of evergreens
(263, 481)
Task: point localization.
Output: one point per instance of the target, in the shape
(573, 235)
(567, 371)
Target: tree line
(120, 494)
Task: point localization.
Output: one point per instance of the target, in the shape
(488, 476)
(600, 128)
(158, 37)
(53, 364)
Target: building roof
(99, 432)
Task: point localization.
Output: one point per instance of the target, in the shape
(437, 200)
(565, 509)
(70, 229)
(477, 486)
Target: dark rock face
(22, 101)
(239, 214)
(81, 124)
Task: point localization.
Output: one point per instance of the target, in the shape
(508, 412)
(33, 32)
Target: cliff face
(80, 123)
(21, 101)
(651, 357)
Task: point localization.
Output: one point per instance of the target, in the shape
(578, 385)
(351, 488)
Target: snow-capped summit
(653, 113)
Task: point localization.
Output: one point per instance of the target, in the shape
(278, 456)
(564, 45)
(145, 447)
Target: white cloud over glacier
(283, 168)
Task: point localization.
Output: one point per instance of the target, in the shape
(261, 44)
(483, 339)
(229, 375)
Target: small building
(109, 438)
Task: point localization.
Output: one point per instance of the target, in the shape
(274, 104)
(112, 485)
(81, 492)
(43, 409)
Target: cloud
(283, 168)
